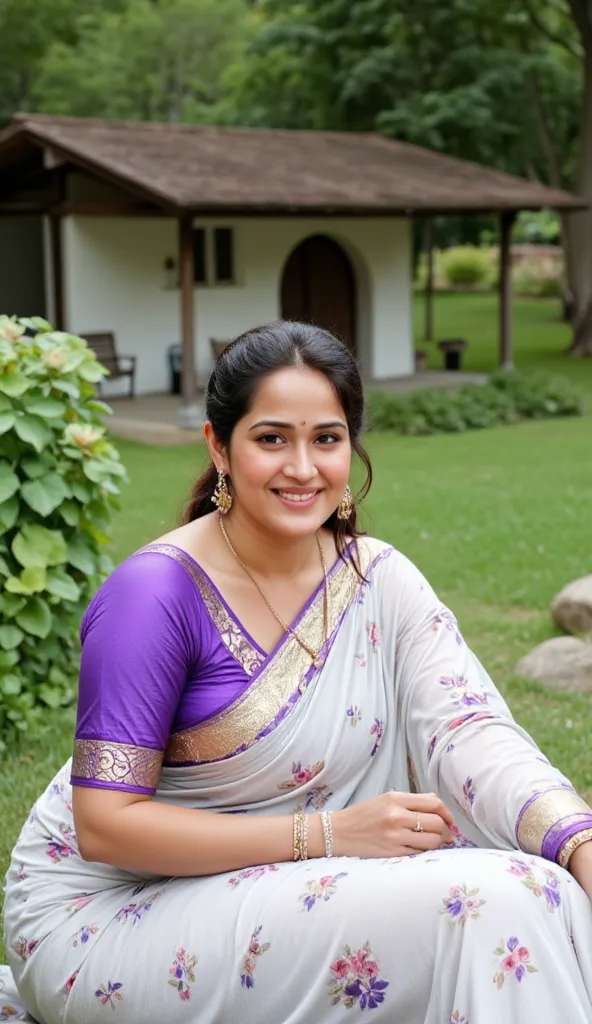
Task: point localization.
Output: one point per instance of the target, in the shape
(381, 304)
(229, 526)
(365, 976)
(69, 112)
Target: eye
(271, 439)
(327, 439)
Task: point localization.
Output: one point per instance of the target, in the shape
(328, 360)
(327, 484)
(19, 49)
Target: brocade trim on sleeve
(121, 764)
(549, 819)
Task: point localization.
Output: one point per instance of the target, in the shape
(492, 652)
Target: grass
(496, 519)
(539, 343)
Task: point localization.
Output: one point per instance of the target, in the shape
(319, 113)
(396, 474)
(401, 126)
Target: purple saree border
(123, 787)
(309, 675)
(559, 834)
(563, 786)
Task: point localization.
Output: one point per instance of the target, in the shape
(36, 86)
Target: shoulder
(396, 572)
(154, 581)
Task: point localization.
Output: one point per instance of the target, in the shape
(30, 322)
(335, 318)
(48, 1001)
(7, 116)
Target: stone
(572, 608)
(564, 663)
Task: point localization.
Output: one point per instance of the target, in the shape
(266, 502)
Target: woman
(295, 794)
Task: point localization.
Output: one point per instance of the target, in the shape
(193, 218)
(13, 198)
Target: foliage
(507, 398)
(465, 266)
(540, 277)
(537, 227)
(147, 61)
(59, 481)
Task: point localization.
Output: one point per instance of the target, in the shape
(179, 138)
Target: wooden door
(318, 287)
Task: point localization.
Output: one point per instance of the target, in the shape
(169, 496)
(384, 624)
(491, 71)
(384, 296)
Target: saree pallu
(488, 929)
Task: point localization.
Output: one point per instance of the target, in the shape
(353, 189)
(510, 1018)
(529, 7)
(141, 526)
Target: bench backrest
(103, 345)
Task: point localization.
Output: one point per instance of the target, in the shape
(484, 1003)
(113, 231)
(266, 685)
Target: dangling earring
(346, 505)
(222, 497)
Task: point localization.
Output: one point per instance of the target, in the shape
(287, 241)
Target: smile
(297, 497)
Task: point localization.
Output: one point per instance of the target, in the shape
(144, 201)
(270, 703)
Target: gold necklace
(315, 655)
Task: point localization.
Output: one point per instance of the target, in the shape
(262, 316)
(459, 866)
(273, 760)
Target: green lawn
(498, 520)
(540, 338)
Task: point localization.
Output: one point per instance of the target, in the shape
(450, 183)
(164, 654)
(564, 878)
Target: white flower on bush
(10, 330)
(83, 435)
(55, 358)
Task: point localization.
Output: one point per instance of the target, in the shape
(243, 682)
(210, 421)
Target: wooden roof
(201, 167)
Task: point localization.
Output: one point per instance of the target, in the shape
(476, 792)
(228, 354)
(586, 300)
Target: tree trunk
(579, 225)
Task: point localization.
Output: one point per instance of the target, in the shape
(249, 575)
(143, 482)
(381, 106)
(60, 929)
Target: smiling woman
(264, 687)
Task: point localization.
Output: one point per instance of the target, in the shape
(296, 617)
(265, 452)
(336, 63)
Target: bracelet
(300, 835)
(327, 832)
(572, 844)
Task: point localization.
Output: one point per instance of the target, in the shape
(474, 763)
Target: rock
(564, 663)
(572, 608)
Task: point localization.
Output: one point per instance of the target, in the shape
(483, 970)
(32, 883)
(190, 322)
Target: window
(199, 256)
(224, 255)
(213, 251)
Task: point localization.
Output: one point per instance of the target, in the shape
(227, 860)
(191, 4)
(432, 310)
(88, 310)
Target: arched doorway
(319, 286)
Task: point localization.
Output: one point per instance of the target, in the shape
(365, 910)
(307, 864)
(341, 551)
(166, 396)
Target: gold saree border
(247, 655)
(279, 685)
(122, 764)
(543, 812)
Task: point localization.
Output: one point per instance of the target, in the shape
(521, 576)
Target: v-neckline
(266, 656)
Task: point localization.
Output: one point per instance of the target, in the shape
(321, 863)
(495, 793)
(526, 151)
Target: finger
(421, 841)
(429, 822)
(428, 802)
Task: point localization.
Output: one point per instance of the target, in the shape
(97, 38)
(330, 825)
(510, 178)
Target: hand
(385, 826)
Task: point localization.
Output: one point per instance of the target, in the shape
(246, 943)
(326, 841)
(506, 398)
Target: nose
(300, 465)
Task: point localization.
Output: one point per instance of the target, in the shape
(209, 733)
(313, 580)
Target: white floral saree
(488, 930)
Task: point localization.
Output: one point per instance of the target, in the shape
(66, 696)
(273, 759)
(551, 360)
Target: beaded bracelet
(327, 832)
(300, 835)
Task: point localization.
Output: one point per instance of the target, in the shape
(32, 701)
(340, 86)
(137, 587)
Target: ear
(215, 447)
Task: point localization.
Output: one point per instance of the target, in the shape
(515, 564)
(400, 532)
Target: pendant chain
(315, 655)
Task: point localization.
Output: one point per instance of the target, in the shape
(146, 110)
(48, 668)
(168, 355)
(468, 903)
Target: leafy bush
(59, 481)
(539, 277)
(506, 398)
(466, 266)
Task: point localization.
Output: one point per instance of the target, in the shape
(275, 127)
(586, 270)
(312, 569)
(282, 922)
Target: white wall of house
(114, 279)
(22, 287)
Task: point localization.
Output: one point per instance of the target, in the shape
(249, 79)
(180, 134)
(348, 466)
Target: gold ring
(419, 826)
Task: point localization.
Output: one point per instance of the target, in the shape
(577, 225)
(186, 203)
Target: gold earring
(222, 497)
(346, 505)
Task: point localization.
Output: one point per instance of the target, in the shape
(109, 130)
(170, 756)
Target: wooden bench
(103, 345)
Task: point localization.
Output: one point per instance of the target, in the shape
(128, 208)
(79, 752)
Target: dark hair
(240, 370)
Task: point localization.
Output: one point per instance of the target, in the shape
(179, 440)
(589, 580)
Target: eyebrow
(290, 426)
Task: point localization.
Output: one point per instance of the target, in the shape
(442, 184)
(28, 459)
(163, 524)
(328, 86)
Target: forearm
(166, 840)
(580, 866)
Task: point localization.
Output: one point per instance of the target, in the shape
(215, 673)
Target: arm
(462, 738)
(139, 834)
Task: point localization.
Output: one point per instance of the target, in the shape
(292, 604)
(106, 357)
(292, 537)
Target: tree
(154, 61)
(496, 81)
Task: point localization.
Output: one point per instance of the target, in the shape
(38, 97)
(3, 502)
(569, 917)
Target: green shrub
(538, 277)
(466, 266)
(59, 481)
(505, 399)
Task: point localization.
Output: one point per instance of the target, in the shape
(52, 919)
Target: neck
(269, 554)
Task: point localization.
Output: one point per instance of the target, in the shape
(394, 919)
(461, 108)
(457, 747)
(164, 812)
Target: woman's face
(290, 456)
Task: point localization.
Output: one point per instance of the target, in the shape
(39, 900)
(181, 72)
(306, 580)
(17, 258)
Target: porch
(154, 419)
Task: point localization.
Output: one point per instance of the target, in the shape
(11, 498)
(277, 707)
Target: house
(185, 234)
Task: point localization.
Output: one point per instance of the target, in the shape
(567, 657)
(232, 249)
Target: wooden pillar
(57, 270)
(190, 416)
(429, 286)
(505, 291)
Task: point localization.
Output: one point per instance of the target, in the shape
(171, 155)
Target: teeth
(296, 497)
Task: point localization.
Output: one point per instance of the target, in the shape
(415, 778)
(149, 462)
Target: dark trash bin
(175, 357)
(453, 349)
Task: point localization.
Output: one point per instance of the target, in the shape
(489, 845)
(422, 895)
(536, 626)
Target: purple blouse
(154, 662)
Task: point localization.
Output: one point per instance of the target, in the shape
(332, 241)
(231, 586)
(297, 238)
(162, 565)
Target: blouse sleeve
(137, 648)
(463, 741)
